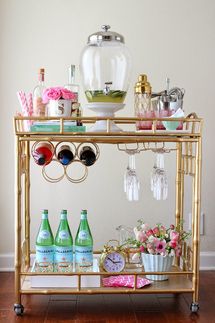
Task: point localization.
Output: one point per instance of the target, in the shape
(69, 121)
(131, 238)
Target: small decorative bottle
(83, 245)
(142, 98)
(43, 153)
(63, 245)
(44, 245)
(39, 108)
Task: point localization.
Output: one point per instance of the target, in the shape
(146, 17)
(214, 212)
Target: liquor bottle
(63, 245)
(43, 153)
(65, 155)
(45, 245)
(39, 107)
(71, 85)
(83, 245)
(87, 156)
(79, 114)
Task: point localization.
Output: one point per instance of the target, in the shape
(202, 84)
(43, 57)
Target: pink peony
(174, 235)
(51, 94)
(67, 95)
(140, 236)
(56, 93)
(172, 227)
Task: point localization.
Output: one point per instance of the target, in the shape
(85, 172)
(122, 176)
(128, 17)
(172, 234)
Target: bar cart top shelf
(191, 129)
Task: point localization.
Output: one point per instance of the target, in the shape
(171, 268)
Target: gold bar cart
(184, 276)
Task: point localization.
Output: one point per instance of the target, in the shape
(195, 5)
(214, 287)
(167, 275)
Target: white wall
(167, 38)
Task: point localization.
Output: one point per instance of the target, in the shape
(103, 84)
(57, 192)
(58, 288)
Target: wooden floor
(109, 308)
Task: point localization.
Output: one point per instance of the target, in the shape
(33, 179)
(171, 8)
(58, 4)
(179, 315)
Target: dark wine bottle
(65, 155)
(87, 156)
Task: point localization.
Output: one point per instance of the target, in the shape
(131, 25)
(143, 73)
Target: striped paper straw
(25, 110)
(30, 104)
(23, 101)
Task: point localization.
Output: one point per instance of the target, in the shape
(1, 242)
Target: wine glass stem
(131, 161)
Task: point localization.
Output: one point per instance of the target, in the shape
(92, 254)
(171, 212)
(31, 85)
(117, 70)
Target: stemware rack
(187, 144)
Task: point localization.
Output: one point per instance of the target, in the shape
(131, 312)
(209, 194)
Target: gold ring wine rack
(187, 146)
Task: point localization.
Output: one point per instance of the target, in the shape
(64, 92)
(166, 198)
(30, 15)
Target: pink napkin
(124, 281)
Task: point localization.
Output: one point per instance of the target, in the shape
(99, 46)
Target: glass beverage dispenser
(105, 68)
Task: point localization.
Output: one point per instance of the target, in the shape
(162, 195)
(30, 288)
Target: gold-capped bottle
(142, 102)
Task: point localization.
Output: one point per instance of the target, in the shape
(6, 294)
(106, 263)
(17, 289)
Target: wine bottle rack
(187, 144)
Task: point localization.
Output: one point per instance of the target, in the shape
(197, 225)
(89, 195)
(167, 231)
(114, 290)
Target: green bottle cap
(64, 212)
(45, 211)
(84, 212)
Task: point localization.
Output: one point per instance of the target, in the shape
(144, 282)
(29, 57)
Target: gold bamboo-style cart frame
(184, 276)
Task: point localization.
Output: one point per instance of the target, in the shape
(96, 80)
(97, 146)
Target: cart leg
(18, 307)
(195, 226)
(179, 191)
(27, 204)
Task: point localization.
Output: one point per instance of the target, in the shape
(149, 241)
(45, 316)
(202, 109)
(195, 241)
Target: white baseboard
(6, 262)
(207, 261)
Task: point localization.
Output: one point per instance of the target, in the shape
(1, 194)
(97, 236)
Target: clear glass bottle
(63, 245)
(39, 108)
(71, 83)
(43, 153)
(44, 245)
(142, 102)
(83, 245)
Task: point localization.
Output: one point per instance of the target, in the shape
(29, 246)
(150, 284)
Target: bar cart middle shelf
(187, 142)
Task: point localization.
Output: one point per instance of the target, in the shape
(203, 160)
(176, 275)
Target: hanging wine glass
(131, 182)
(159, 182)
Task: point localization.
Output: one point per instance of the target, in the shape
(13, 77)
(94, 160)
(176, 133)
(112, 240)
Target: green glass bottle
(83, 245)
(45, 244)
(63, 245)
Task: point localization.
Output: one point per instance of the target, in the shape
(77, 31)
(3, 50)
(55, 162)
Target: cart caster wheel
(18, 309)
(194, 307)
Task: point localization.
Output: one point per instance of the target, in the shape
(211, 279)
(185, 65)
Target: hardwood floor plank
(145, 303)
(119, 309)
(91, 307)
(61, 311)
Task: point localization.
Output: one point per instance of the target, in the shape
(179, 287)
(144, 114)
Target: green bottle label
(44, 255)
(44, 234)
(83, 235)
(63, 254)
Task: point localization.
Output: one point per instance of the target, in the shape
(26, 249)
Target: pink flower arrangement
(159, 240)
(57, 93)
